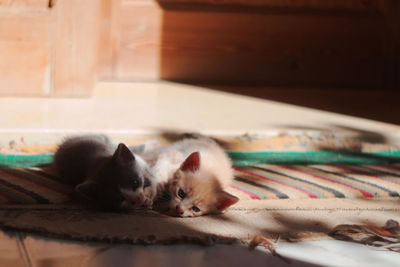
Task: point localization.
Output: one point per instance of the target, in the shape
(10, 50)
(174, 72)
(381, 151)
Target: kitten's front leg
(162, 170)
(150, 189)
(154, 192)
(149, 195)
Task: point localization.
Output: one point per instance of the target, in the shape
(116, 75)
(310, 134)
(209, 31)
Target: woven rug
(274, 200)
(41, 186)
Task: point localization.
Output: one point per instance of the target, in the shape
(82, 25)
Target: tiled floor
(43, 252)
(11, 250)
(127, 109)
(378, 105)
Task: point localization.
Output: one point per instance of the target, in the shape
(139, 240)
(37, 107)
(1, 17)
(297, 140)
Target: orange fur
(201, 170)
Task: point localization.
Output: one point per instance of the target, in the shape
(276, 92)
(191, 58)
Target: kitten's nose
(179, 211)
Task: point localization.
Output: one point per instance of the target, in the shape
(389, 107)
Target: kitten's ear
(123, 155)
(191, 163)
(87, 189)
(225, 200)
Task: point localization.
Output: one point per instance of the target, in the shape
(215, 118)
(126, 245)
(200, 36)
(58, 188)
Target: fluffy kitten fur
(195, 174)
(112, 177)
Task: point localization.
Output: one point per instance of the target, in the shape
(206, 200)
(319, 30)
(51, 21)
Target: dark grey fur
(98, 169)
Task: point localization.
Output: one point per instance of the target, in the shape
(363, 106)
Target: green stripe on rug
(314, 157)
(247, 158)
(24, 161)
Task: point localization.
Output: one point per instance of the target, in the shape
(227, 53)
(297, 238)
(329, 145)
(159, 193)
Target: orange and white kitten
(195, 173)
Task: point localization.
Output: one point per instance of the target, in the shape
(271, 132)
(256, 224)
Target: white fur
(213, 160)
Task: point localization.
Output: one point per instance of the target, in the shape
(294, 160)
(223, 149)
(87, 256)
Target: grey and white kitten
(111, 176)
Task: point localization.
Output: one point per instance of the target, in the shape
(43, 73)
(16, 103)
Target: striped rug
(316, 181)
(32, 186)
(36, 185)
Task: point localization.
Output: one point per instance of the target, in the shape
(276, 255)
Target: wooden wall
(48, 48)
(25, 44)
(333, 43)
(51, 47)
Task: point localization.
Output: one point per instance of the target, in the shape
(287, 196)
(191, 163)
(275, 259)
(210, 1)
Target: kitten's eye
(181, 193)
(195, 209)
(135, 184)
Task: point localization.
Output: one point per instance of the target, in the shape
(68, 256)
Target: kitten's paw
(147, 203)
(149, 195)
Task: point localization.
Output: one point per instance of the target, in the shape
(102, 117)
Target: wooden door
(303, 43)
(48, 47)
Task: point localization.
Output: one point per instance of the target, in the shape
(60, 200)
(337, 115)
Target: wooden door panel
(25, 45)
(344, 43)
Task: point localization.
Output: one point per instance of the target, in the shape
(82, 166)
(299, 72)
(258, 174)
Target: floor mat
(287, 219)
(41, 186)
(277, 201)
(317, 181)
